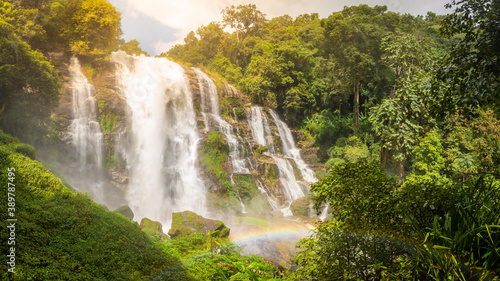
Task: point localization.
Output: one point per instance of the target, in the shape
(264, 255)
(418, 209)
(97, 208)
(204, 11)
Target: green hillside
(61, 235)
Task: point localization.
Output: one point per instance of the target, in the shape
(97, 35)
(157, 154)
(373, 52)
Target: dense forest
(404, 109)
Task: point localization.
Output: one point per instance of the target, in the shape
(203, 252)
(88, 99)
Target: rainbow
(271, 232)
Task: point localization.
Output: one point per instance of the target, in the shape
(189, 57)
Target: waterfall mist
(85, 136)
(161, 151)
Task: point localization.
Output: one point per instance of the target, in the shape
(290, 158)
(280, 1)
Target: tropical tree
(96, 28)
(352, 40)
(131, 47)
(470, 74)
(28, 87)
(401, 119)
(245, 19)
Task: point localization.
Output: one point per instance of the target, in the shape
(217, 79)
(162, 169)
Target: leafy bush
(471, 227)
(327, 127)
(362, 196)
(346, 255)
(25, 149)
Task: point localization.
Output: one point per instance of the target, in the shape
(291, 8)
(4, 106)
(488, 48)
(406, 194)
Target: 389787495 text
(11, 219)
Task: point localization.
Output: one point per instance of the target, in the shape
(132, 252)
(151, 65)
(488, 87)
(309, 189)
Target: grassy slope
(61, 235)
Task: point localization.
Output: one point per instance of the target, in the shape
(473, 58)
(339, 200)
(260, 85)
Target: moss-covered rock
(126, 211)
(152, 228)
(187, 222)
(246, 187)
(259, 204)
(301, 206)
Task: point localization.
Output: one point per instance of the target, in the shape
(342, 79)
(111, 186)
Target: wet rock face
(235, 108)
(187, 222)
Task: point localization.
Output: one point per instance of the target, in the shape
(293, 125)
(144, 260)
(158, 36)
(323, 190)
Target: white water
(235, 151)
(290, 150)
(272, 202)
(210, 106)
(293, 189)
(209, 96)
(324, 213)
(163, 137)
(85, 132)
(260, 128)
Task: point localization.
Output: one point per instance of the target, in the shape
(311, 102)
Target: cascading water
(290, 150)
(208, 92)
(209, 96)
(287, 177)
(210, 105)
(237, 160)
(86, 134)
(260, 128)
(262, 135)
(272, 202)
(161, 153)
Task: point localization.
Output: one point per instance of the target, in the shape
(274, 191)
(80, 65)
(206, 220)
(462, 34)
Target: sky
(160, 24)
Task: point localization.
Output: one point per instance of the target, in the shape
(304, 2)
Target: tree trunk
(400, 169)
(386, 155)
(356, 107)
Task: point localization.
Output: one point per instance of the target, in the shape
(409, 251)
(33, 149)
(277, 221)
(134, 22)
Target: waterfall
(85, 132)
(272, 201)
(290, 150)
(209, 96)
(210, 106)
(262, 135)
(235, 151)
(260, 128)
(287, 177)
(161, 152)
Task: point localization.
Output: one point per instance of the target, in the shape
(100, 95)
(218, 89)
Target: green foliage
(471, 227)
(401, 119)
(244, 18)
(345, 255)
(472, 146)
(108, 122)
(210, 258)
(351, 150)
(29, 87)
(362, 196)
(304, 65)
(226, 68)
(327, 128)
(235, 267)
(246, 187)
(152, 228)
(132, 47)
(377, 223)
(278, 77)
(213, 156)
(64, 235)
(471, 71)
(96, 26)
(427, 191)
(25, 149)
(6, 139)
